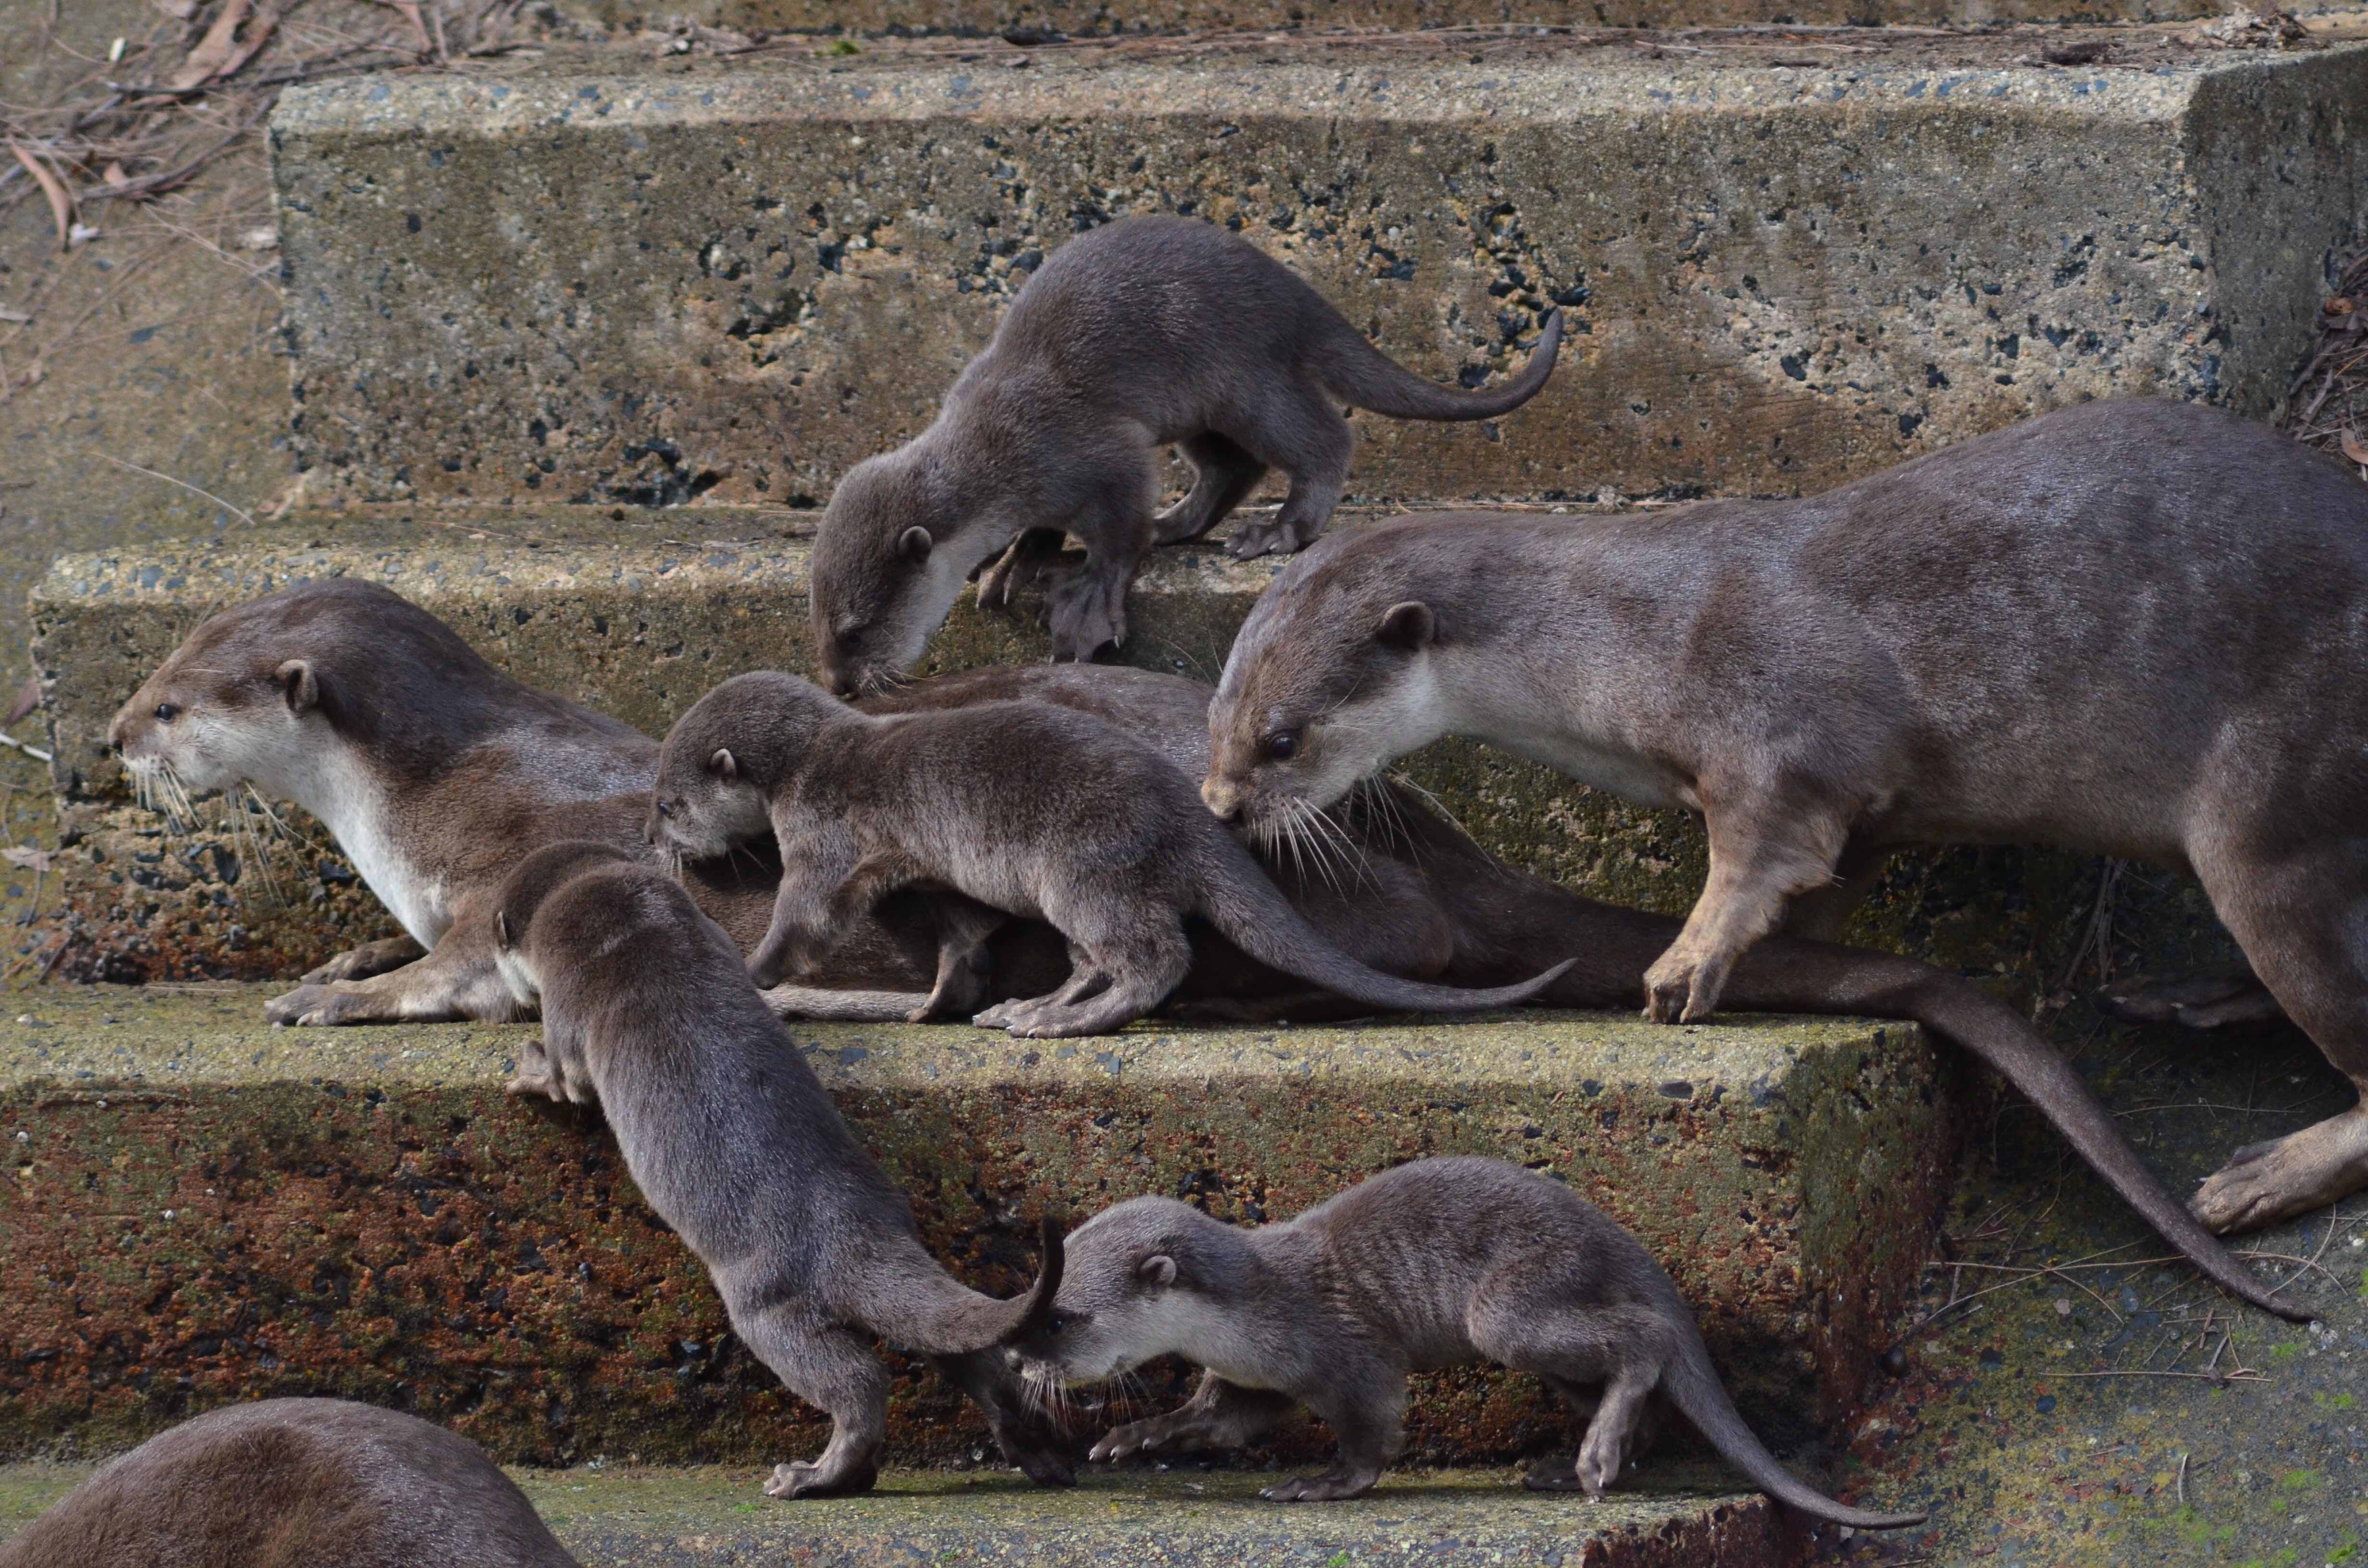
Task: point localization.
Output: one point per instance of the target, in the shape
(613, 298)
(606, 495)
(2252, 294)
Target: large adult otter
(1144, 332)
(1436, 1263)
(2138, 628)
(731, 1138)
(293, 1483)
(1107, 848)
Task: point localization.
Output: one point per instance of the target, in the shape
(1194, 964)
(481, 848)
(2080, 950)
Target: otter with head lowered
(1148, 332)
(1105, 847)
(1825, 679)
(1440, 1263)
(731, 1138)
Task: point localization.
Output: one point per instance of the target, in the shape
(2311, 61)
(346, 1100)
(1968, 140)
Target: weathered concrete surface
(201, 1208)
(583, 602)
(695, 280)
(1667, 1516)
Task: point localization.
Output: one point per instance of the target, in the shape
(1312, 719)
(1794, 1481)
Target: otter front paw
(318, 1006)
(1087, 615)
(548, 1088)
(1680, 988)
(1332, 1486)
(1270, 536)
(370, 958)
(799, 1479)
(1143, 1436)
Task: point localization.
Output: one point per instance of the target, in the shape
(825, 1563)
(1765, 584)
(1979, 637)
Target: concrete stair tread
(631, 1517)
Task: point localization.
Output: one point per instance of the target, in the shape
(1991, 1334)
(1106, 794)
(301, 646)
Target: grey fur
(1439, 1262)
(293, 1483)
(731, 1138)
(2130, 627)
(1107, 848)
(1148, 332)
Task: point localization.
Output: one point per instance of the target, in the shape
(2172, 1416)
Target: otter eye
(666, 808)
(1282, 745)
(851, 639)
(165, 711)
(1056, 1323)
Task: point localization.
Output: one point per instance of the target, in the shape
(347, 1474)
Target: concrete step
(1665, 1516)
(202, 1209)
(1785, 261)
(639, 614)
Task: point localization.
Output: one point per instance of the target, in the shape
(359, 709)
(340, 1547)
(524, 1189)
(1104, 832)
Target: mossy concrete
(734, 281)
(639, 617)
(1666, 1515)
(202, 1209)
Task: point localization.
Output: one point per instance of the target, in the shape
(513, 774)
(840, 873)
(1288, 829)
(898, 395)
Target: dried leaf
(115, 177)
(19, 317)
(2352, 448)
(214, 52)
(28, 697)
(31, 860)
(2338, 306)
(62, 207)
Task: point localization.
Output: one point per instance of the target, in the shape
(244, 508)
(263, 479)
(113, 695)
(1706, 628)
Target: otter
(1438, 1263)
(293, 1483)
(1107, 847)
(1146, 332)
(731, 1138)
(2054, 633)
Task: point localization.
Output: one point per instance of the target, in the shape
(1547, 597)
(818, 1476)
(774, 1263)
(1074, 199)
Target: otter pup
(1106, 846)
(1439, 1262)
(1146, 332)
(293, 1483)
(1827, 678)
(727, 1132)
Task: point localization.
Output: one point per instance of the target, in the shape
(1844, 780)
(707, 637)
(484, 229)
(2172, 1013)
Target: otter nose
(1222, 798)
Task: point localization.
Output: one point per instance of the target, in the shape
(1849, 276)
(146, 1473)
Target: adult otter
(293, 1483)
(732, 1139)
(1107, 848)
(1146, 332)
(1437, 1263)
(2059, 633)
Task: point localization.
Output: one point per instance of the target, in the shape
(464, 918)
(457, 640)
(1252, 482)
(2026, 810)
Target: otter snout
(1224, 796)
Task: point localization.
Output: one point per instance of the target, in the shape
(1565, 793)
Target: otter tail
(1242, 903)
(926, 1309)
(1693, 1387)
(1848, 980)
(1364, 377)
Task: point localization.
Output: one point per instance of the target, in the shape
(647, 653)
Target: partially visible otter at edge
(1146, 333)
(293, 1483)
(2127, 628)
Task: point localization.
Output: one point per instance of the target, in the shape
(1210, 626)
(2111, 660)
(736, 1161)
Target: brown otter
(293, 1483)
(1107, 847)
(2056, 632)
(1146, 332)
(732, 1139)
(1437, 1263)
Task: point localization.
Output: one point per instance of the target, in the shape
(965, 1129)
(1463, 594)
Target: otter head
(887, 569)
(264, 694)
(723, 761)
(1330, 680)
(524, 891)
(1151, 1276)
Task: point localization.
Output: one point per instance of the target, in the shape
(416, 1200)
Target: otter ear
(1156, 1271)
(915, 544)
(723, 765)
(298, 684)
(1408, 627)
(502, 929)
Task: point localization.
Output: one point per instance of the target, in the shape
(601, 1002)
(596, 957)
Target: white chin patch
(525, 989)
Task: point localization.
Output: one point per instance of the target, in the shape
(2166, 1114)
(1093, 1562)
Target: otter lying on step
(1439, 1262)
(1142, 333)
(293, 1483)
(732, 1139)
(1827, 678)
(1106, 847)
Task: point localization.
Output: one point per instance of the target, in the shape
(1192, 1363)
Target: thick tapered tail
(1850, 980)
(924, 1308)
(1364, 377)
(1693, 1387)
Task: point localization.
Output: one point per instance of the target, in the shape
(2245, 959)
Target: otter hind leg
(1366, 1410)
(2234, 1000)
(830, 1368)
(1028, 1439)
(2299, 913)
(1297, 428)
(1219, 1415)
(1223, 476)
(1762, 852)
(458, 979)
(370, 958)
(1024, 563)
(1122, 975)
